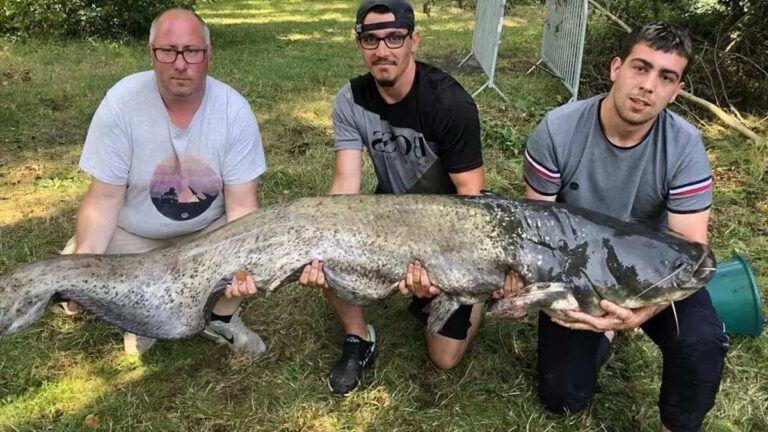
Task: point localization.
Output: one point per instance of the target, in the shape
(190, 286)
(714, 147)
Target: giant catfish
(568, 258)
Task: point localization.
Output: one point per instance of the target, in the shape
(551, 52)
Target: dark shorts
(457, 325)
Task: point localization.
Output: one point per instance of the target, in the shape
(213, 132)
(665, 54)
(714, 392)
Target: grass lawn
(288, 58)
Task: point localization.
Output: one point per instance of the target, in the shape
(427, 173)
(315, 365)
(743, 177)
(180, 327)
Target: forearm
(340, 186)
(469, 182)
(96, 223)
(240, 200)
(694, 226)
(348, 173)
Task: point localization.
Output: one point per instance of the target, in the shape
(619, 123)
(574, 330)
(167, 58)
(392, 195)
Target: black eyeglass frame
(182, 52)
(379, 39)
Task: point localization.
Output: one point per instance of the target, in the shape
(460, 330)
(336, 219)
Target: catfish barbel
(568, 258)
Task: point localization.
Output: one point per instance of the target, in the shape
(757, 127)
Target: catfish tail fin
(22, 299)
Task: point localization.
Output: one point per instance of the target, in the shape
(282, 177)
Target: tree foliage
(108, 19)
(730, 38)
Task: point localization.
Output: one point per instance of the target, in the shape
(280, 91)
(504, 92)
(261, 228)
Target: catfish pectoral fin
(355, 287)
(440, 309)
(547, 296)
(559, 314)
(511, 307)
(288, 275)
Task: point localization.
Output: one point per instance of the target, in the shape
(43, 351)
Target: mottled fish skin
(467, 244)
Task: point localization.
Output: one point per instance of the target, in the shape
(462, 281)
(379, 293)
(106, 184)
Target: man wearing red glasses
(422, 132)
(164, 149)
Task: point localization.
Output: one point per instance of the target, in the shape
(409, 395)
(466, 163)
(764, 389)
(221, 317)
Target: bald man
(172, 153)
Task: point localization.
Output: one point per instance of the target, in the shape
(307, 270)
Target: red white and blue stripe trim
(540, 169)
(693, 188)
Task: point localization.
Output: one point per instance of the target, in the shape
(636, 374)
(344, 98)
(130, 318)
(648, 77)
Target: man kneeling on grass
(172, 153)
(422, 132)
(624, 154)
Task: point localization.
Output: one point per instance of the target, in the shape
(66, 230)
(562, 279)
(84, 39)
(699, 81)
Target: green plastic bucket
(736, 297)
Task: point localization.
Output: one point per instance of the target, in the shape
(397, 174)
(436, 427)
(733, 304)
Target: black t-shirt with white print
(415, 143)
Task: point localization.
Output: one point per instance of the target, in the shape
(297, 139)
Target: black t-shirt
(415, 143)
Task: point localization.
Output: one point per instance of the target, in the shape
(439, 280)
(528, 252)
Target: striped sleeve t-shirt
(668, 171)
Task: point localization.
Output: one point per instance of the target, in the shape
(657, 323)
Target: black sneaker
(357, 354)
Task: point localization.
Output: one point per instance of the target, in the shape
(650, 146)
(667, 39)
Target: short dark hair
(661, 37)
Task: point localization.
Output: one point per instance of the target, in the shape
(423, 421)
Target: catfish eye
(680, 263)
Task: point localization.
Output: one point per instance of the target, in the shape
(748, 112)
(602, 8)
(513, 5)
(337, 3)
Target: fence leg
(534, 66)
(503, 96)
(465, 59)
(481, 89)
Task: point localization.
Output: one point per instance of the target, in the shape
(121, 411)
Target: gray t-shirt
(668, 171)
(174, 177)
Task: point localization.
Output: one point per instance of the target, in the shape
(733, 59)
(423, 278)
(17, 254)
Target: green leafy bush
(730, 41)
(108, 19)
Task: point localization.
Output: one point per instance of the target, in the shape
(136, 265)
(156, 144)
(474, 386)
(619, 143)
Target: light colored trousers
(124, 242)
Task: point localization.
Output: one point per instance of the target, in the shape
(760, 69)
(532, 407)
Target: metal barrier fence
(562, 47)
(489, 20)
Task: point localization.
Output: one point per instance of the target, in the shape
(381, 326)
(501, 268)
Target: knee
(445, 357)
(693, 366)
(708, 344)
(565, 406)
(565, 390)
(560, 400)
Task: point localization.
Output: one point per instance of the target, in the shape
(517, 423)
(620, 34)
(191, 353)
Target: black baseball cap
(402, 10)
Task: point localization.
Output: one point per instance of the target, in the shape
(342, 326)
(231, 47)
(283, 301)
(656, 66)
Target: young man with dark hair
(625, 155)
(422, 132)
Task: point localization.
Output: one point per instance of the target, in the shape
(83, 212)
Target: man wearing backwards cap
(422, 132)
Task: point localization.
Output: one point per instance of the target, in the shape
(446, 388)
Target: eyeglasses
(393, 40)
(190, 55)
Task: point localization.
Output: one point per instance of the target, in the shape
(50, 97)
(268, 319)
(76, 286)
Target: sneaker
(357, 354)
(69, 308)
(236, 336)
(137, 345)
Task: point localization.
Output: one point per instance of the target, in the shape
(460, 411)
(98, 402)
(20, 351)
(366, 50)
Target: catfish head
(652, 267)
(595, 257)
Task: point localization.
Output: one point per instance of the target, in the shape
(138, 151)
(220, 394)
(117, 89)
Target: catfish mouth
(704, 271)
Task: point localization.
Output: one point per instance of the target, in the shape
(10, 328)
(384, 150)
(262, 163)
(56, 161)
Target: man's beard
(383, 82)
